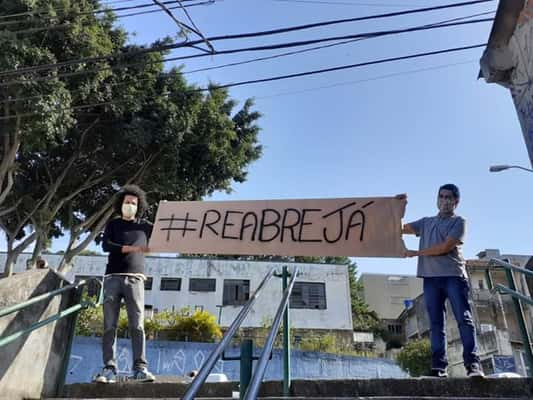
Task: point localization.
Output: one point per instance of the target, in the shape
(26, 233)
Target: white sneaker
(107, 375)
(143, 375)
(474, 370)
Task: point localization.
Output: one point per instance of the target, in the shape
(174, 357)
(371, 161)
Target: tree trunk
(73, 248)
(9, 264)
(13, 252)
(37, 250)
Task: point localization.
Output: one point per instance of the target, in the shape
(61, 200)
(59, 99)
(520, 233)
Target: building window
(236, 292)
(93, 287)
(394, 329)
(148, 283)
(148, 310)
(202, 285)
(308, 295)
(170, 284)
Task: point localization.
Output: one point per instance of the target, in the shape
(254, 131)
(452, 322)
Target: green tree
(76, 137)
(415, 357)
(200, 326)
(184, 325)
(90, 321)
(90, 253)
(37, 107)
(363, 318)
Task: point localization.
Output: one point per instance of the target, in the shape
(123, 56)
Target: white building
(320, 299)
(388, 295)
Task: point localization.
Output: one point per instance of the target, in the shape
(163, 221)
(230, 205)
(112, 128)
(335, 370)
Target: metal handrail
(494, 262)
(36, 299)
(60, 315)
(517, 299)
(206, 368)
(255, 384)
(505, 290)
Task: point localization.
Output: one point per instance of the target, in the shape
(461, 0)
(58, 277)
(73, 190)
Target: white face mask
(129, 210)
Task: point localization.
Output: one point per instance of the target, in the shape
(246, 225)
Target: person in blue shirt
(442, 267)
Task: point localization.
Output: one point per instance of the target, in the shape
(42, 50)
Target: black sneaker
(474, 370)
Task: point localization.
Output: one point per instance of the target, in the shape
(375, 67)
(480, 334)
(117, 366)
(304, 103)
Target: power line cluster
(164, 48)
(6, 77)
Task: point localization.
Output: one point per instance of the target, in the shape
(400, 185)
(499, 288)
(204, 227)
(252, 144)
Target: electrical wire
(290, 53)
(281, 77)
(162, 48)
(352, 38)
(374, 78)
(343, 3)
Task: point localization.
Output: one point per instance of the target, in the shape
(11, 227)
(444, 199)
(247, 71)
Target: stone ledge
(508, 388)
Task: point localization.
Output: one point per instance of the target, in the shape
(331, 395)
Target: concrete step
(398, 389)
(319, 398)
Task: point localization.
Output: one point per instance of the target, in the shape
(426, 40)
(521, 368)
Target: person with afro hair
(126, 240)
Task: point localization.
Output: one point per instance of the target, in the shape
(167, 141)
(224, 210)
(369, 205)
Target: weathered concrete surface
(30, 367)
(337, 398)
(519, 388)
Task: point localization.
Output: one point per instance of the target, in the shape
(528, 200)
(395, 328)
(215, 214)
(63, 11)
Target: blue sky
(332, 135)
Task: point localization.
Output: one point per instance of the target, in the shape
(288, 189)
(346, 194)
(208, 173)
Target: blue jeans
(455, 289)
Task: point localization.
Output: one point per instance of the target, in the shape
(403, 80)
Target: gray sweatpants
(131, 289)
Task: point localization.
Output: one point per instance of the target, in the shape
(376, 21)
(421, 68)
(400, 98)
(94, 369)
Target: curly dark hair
(132, 190)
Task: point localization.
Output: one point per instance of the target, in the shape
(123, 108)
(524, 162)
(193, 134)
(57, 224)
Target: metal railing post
(519, 309)
(488, 277)
(246, 359)
(68, 348)
(247, 348)
(208, 365)
(286, 340)
(255, 384)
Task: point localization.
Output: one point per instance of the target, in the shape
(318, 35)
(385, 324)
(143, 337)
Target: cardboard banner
(363, 227)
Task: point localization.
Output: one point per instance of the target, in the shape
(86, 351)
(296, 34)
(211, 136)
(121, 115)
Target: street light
(498, 168)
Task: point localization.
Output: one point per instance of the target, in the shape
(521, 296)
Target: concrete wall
(385, 294)
(177, 358)
(30, 367)
(493, 347)
(336, 316)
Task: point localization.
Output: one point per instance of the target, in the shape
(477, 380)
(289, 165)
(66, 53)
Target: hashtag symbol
(185, 227)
